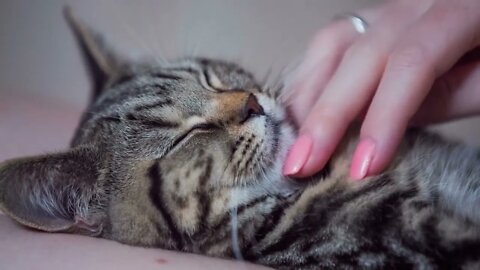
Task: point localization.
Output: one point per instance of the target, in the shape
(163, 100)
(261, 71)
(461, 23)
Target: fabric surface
(30, 125)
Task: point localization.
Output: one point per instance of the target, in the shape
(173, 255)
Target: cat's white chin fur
(272, 182)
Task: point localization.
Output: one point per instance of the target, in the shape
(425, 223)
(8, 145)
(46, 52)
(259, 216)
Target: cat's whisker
(286, 101)
(219, 191)
(104, 117)
(154, 34)
(194, 48)
(282, 83)
(265, 81)
(234, 228)
(283, 94)
(132, 34)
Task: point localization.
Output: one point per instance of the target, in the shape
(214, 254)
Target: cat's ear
(55, 192)
(101, 60)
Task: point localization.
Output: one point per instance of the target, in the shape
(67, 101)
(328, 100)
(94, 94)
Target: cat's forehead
(167, 96)
(221, 75)
(189, 82)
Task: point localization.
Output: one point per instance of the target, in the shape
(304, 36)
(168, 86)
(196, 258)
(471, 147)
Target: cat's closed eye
(187, 155)
(203, 127)
(151, 123)
(194, 130)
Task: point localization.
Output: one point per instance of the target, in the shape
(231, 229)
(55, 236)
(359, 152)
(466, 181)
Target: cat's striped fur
(187, 156)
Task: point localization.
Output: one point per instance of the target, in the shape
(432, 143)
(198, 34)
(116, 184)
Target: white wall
(38, 55)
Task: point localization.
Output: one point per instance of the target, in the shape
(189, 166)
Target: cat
(186, 155)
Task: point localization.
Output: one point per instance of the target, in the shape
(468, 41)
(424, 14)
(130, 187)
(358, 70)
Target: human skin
(416, 64)
(22, 248)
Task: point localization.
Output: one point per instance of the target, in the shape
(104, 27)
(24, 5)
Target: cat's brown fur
(186, 155)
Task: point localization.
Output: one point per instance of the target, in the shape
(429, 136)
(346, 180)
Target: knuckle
(330, 38)
(409, 57)
(368, 48)
(332, 117)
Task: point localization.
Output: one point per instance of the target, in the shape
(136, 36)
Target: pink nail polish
(298, 155)
(362, 159)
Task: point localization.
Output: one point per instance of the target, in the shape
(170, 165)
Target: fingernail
(298, 155)
(362, 158)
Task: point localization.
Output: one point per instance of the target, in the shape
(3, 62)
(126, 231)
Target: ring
(359, 24)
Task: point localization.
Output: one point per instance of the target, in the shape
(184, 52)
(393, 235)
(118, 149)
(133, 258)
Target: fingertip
(312, 161)
(362, 159)
(297, 155)
(380, 161)
(312, 168)
(304, 158)
(375, 150)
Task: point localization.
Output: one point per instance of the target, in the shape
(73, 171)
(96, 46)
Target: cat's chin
(277, 134)
(274, 181)
(286, 135)
(270, 179)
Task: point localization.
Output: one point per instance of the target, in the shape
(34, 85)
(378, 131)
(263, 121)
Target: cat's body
(187, 156)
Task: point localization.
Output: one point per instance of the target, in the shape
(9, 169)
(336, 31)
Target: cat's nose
(235, 107)
(251, 108)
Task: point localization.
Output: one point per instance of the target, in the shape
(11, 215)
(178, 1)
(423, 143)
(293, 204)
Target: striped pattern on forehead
(127, 95)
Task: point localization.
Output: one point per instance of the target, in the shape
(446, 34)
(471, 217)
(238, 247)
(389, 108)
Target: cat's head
(163, 151)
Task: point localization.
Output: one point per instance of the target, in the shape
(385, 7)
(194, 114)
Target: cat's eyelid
(166, 76)
(212, 80)
(157, 123)
(207, 78)
(192, 131)
(204, 126)
(205, 81)
(194, 120)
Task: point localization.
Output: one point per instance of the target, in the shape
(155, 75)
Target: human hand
(405, 68)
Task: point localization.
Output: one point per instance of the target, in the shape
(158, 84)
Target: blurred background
(44, 87)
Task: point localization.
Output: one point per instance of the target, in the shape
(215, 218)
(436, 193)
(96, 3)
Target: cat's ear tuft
(54, 193)
(101, 60)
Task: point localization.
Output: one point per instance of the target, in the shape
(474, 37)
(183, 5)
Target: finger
(431, 47)
(320, 61)
(349, 90)
(323, 57)
(454, 95)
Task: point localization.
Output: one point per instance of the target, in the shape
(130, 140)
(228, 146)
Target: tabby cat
(186, 155)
